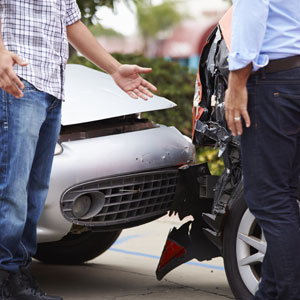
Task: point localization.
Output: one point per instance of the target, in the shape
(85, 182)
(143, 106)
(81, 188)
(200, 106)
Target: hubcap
(250, 250)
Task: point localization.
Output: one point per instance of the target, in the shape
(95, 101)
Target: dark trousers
(271, 169)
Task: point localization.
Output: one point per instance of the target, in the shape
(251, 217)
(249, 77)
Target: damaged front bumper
(207, 199)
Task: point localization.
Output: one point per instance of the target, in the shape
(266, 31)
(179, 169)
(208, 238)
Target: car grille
(128, 198)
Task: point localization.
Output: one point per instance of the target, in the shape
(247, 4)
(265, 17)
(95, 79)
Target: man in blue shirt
(263, 106)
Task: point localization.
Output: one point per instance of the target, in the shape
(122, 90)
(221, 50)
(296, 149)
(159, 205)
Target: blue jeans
(29, 130)
(271, 168)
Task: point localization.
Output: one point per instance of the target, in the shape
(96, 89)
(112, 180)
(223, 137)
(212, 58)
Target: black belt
(282, 64)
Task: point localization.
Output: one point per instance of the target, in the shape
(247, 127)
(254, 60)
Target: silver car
(112, 169)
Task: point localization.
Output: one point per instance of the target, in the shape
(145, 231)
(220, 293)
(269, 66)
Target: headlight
(58, 149)
(81, 206)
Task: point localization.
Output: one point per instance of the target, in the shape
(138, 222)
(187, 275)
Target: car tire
(244, 247)
(76, 248)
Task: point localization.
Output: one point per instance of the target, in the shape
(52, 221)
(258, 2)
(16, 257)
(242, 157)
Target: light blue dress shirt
(264, 30)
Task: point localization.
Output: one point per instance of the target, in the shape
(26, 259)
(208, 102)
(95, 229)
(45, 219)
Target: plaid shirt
(36, 31)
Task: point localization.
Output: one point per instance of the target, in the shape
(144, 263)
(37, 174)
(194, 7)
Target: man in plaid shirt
(33, 55)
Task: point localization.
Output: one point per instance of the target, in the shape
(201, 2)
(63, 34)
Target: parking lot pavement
(127, 272)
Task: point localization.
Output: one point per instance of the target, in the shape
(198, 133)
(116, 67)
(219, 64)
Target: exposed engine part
(104, 128)
(195, 186)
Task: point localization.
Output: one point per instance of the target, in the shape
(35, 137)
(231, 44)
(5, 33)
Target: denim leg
(39, 178)
(20, 123)
(270, 157)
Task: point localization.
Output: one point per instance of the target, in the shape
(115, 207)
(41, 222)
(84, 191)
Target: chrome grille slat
(121, 194)
(67, 209)
(128, 198)
(138, 200)
(129, 210)
(133, 193)
(115, 186)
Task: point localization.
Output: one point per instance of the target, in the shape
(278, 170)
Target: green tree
(89, 7)
(154, 19)
(99, 30)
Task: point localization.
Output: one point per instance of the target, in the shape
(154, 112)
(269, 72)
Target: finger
(143, 70)
(228, 118)
(230, 122)
(10, 87)
(149, 85)
(145, 91)
(12, 91)
(3, 85)
(132, 95)
(15, 90)
(246, 118)
(13, 77)
(238, 124)
(139, 94)
(19, 60)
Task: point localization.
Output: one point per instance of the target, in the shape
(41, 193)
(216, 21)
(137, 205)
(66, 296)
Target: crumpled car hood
(92, 95)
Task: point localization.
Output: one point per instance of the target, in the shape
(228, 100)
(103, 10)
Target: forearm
(238, 78)
(82, 40)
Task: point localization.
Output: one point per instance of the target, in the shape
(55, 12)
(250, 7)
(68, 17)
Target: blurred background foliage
(99, 30)
(152, 19)
(89, 8)
(155, 18)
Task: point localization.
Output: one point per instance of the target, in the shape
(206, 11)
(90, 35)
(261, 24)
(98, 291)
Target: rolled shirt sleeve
(248, 31)
(73, 12)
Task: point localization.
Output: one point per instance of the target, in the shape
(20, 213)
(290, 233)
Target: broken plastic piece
(215, 132)
(184, 244)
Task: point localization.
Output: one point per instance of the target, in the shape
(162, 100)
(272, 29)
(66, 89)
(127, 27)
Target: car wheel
(244, 248)
(76, 248)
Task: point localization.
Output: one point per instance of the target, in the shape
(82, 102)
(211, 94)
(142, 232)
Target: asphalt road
(127, 272)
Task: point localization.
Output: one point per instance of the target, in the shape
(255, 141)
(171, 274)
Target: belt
(282, 64)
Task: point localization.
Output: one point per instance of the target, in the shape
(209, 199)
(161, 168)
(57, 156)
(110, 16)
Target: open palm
(129, 80)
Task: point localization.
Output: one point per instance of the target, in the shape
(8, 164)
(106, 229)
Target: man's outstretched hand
(128, 78)
(9, 81)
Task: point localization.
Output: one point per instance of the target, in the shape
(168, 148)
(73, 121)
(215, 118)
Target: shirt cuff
(237, 61)
(73, 13)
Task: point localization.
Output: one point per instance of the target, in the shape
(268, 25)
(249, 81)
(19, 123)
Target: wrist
(113, 68)
(239, 78)
(236, 81)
